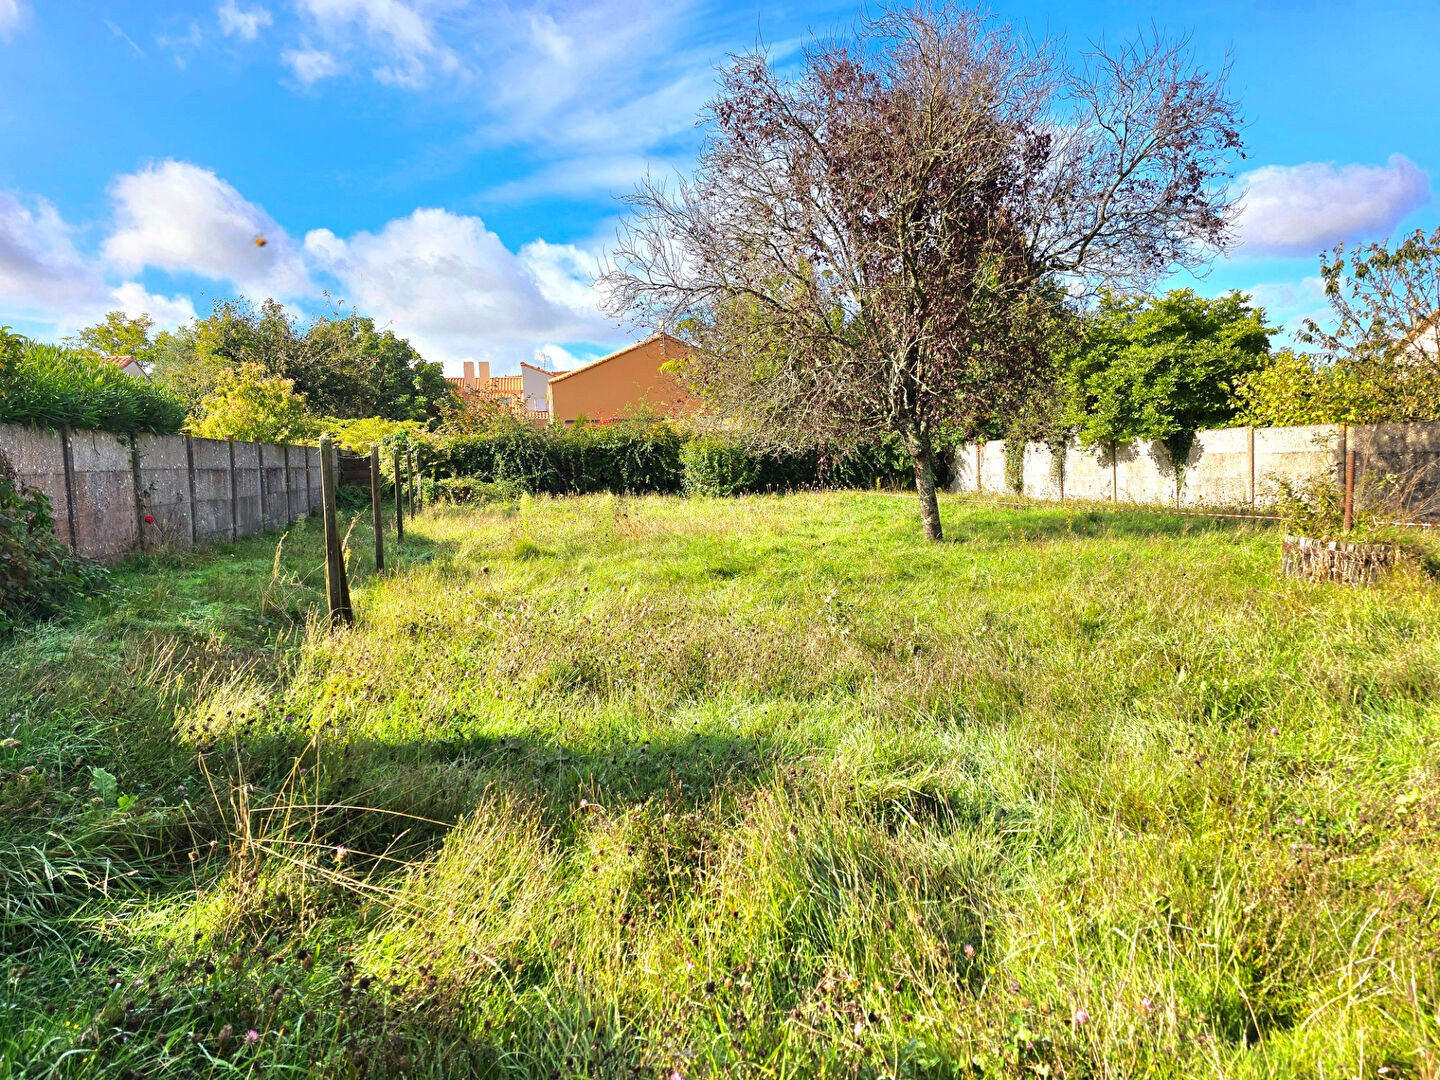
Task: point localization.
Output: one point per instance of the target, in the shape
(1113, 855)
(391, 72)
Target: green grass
(759, 787)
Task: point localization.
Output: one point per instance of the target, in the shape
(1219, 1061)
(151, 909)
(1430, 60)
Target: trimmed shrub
(715, 466)
(612, 457)
(38, 575)
(51, 386)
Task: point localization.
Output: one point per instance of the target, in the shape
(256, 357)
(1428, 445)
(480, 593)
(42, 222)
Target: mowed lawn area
(616, 786)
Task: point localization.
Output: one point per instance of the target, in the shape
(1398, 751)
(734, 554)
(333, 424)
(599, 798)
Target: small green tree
(116, 335)
(1161, 368)
(252, 404)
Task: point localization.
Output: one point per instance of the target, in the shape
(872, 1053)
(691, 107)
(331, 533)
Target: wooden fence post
(336, 590)
(399, 500)
(419, 489)
(377, 519)
(410, 481)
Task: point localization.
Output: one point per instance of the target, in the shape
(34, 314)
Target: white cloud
(409, 49)
(556, 358)
(42, 276)
(10, 13)
(451, 285)
(167, 311)
(244, 23)
(179, 217)
(1302, 209)
(310, 65)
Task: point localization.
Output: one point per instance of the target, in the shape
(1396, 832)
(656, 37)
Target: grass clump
(617, 786)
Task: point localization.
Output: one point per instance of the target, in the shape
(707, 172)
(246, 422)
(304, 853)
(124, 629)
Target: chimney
(469, 380)
(485, 372)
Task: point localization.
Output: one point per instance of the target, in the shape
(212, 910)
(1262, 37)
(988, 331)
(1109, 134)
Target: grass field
(761, 787)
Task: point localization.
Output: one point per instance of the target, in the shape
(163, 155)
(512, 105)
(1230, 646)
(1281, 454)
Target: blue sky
(452, 168)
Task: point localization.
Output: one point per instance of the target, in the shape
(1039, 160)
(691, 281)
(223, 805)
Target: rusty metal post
(1349, 489)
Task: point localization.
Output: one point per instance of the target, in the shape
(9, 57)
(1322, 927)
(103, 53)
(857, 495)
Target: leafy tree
(116, 335)
(1386, 331)
(873, 244)
(351, 369)
(343, 365)
(1162, 368)
(1293, 388)
(252, 404)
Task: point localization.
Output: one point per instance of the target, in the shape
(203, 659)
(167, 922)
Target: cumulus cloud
(405, 41)
(310, 65)
(10, 12)
(451, 285)
(180, 217)
(244, 23)
(1302, 209)
(167, 311)
(42, 275)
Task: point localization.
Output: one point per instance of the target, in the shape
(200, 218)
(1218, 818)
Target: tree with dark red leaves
(885, 240)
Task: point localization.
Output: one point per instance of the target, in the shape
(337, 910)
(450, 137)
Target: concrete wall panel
(1042, 472)
(165, 490)
(312, 462)
(38, 458)
(1295, 454)
(273, 477)
(248, 519)
(213, 522)
(1217, 472)
(299, 480)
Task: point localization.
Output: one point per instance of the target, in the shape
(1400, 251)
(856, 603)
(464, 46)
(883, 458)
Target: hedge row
(52, 387)
(636, 458)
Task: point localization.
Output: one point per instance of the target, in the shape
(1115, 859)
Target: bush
(51, 386)
(716, 466)
(612, 457)
(38, 575)
(466, 490)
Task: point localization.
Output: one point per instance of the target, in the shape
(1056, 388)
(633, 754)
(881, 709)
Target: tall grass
(757, 787)
(52, 386)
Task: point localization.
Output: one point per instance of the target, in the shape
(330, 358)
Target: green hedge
(613, 457)
(51, 386)
(639, 458)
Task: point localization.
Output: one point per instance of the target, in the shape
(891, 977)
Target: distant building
(524, 394)
(128, 364)
(620, 385)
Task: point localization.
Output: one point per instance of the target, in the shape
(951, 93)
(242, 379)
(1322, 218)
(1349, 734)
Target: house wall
(535, 381)
(102, 486)
(613, 388)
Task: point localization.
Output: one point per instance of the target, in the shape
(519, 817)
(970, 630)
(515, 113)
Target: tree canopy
(1161, 367)
(252, 404)
(881, 241)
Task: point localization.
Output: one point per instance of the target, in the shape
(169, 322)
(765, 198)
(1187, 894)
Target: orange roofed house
(523, 394)
(620, 385)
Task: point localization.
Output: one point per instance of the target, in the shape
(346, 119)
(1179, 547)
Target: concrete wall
(1226, 468)
(196, 491)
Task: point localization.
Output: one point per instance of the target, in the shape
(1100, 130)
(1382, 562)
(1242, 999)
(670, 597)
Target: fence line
(111, 495)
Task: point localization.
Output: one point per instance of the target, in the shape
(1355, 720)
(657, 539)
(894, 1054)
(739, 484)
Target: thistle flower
(1082, 1017)
(252, 1037)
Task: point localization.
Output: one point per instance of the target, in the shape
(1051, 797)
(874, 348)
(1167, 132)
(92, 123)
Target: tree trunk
(924, 458)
